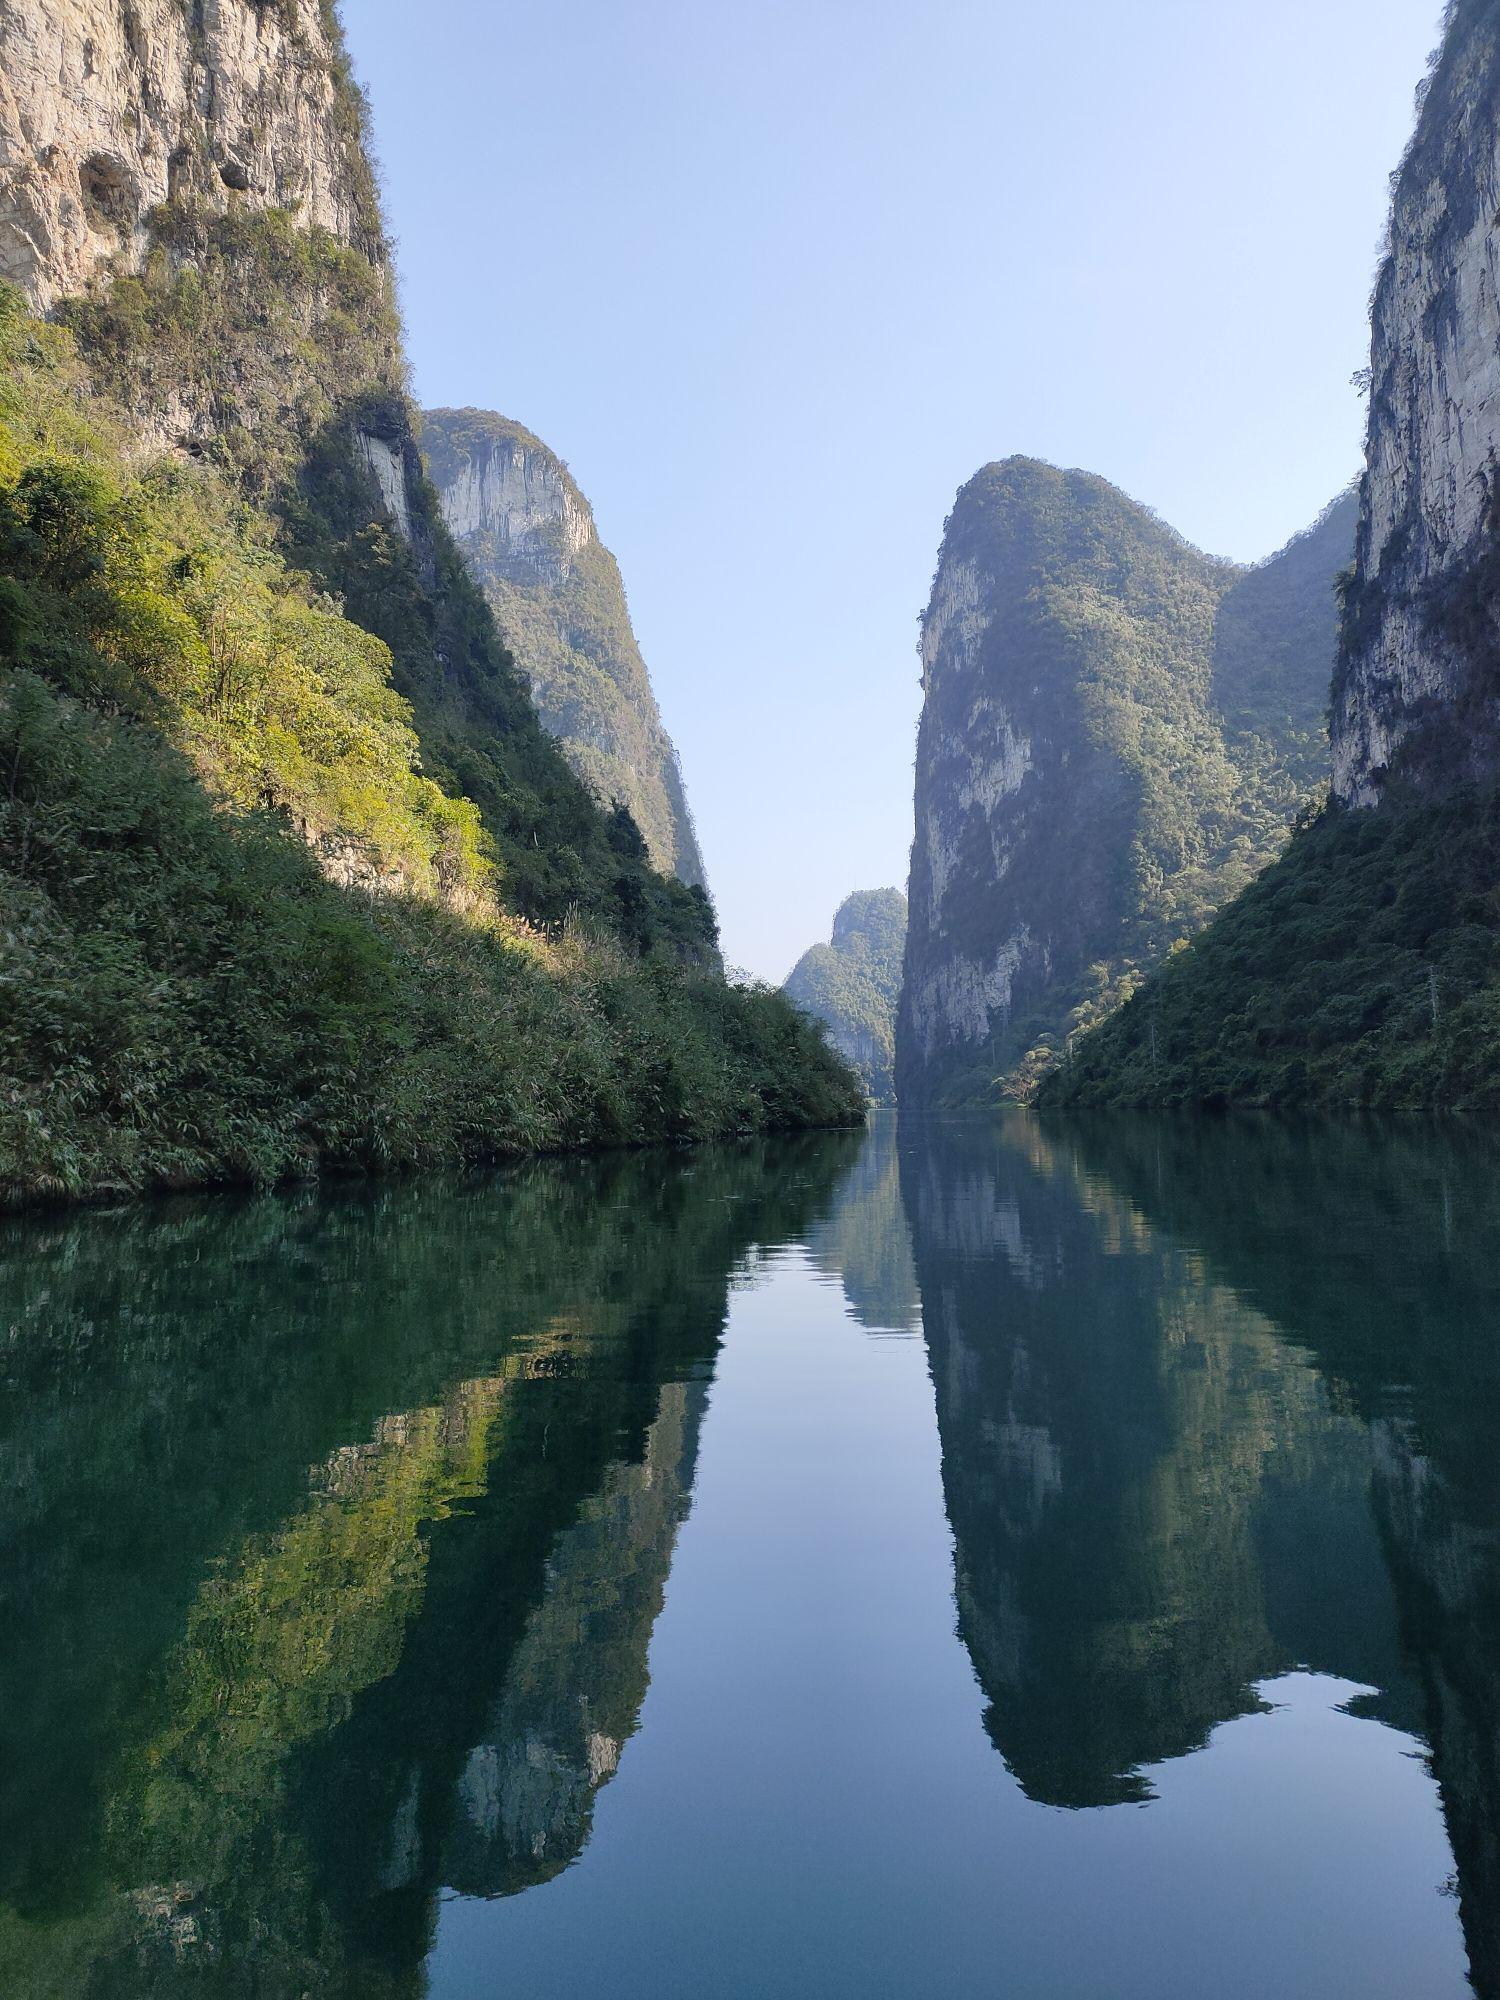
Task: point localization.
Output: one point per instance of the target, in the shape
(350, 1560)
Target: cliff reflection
(334, 1530)
(1376, 1251)
(1215, 1401)
(864, 1243)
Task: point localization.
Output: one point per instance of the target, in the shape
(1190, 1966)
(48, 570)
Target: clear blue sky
(775, 278)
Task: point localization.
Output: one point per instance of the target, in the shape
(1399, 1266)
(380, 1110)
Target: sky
(775, 278)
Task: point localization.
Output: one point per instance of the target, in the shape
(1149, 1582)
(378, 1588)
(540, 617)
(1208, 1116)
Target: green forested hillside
(853, 985)
(1273, 639)
(220, 667)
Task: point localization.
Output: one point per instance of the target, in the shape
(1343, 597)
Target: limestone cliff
(110, 110)
(1418, 685)
(529, 537)
(186, 185)
(853, 985)
(1117, 731)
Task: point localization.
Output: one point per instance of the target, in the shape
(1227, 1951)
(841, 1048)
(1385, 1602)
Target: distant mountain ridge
(1117, 731)
(528, 536)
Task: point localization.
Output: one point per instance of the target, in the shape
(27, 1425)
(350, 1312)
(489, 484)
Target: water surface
(1040, 1560)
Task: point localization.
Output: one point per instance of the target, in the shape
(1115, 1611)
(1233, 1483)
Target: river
(1056, 1560)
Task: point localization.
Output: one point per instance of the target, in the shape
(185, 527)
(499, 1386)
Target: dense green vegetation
(189, 723)
(563, 613)
(1360, 969)
(853, 985)
(1123, 741)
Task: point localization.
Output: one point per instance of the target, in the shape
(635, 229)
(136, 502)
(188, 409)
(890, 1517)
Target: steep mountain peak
(528, 536)
(1086, 796)
(870, 913)
(499, 481)
(853, 984)
(1021, 491)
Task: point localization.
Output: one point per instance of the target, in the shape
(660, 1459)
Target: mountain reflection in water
(337, 1529)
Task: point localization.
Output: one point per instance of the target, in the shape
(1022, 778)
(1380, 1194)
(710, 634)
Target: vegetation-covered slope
(1359, 969)
(272, 353)
(1117, 732)
(188, 727)
(853, 984)
(528, 535)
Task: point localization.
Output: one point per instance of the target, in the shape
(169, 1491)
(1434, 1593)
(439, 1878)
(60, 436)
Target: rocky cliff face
(853, 985)
(1117, 731)
(107, 111)
(1361, 969)
(1418, 687)
(528, 535)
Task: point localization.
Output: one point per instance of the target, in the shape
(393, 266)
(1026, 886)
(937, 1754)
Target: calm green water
(974, 1559)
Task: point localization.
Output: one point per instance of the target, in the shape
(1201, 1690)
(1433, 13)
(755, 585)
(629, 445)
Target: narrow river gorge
(1019, 1557)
